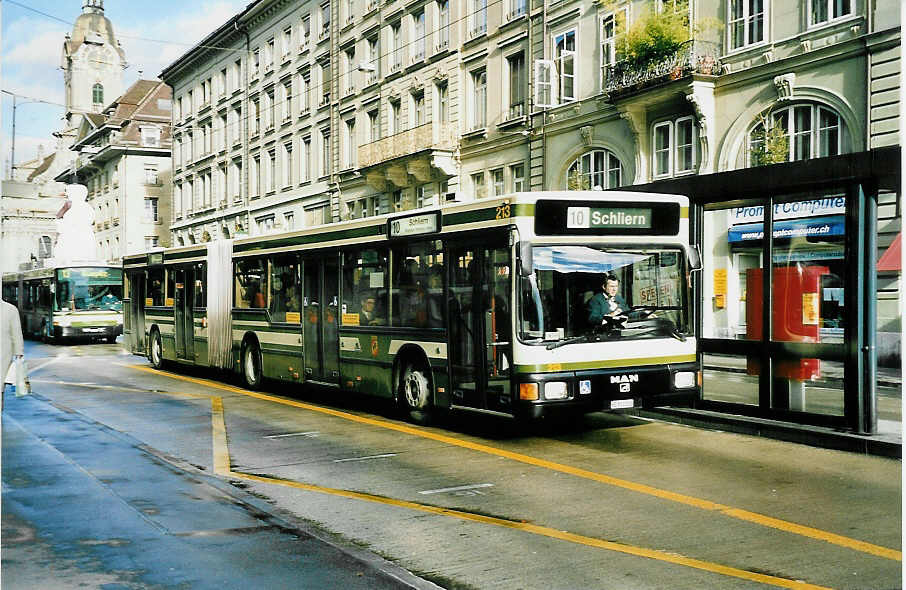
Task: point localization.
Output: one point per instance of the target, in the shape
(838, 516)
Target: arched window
(796, 132)
(97, 94)
(595, 169)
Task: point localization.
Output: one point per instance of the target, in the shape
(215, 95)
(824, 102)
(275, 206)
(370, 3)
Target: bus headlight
(684, 379)
(555, 390)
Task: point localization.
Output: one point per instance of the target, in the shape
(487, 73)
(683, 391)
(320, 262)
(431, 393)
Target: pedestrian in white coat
(11, 344)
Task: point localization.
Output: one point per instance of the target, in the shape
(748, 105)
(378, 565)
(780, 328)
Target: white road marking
(457, 488)
(385, 455)
(311, 434)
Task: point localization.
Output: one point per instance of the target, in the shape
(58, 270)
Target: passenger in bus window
(368, 316)
(435, 297)
(609, 303)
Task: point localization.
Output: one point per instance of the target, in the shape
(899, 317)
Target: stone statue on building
(75, 226)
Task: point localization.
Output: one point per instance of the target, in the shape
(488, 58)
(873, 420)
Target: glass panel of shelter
(807, 294)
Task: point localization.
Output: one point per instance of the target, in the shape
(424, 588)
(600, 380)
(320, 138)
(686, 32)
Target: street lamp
(12, 160)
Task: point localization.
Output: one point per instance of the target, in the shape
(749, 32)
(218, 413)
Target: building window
(304, 32)
(396, 44)
(286, 101)
(325, 20)
(303, 93)
(256, 177)
(443, 25)
(151, 136)
(685, 133)
(271, 170)
(517, 83)
(374, 125)
(610, 25)
(97, 94)
(424, 196)
(151, 174)
(317, 215)
(516, 8)
(45, 247)
(796, 132)
(396, 122)
(418, 36)
(255, 120)
(374, 60)
(305, 160)
(479, 190)
(442, 115)
(350, 67)
(151, 242)
(746, 22)
(673, 147)
(151, 210)
(287, 164)
(265, 224)
(236, 180)
(479, 18)
(593, 170)
(418, 108)
(479, 99)
(517, 175)
(270, 115)
(497, 182)
(565, 56)
(823, 11)
(351, 144)
(287, 42)
(325, 152)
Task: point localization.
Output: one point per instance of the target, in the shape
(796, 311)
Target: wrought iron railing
(693, 57)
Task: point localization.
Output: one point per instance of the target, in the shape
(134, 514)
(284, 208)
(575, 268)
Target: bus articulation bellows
(484, 306)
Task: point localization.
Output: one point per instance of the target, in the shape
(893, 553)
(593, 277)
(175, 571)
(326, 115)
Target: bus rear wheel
(416, 394)
(156, 351)
(251, 366)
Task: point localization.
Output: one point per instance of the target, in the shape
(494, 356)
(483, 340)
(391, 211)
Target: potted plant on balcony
(653, 37)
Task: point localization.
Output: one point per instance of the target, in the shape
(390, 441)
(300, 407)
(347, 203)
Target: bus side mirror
(525, 259)
(695, 258)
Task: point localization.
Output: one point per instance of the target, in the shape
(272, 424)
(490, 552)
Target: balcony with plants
(662, 47)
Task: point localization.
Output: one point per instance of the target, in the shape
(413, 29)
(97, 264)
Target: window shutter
(545, 83)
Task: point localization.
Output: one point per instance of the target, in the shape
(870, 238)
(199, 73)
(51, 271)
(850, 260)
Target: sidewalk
(84, 505)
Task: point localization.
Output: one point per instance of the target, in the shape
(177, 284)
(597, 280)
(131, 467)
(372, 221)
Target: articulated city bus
(487, 306)
(56, 303)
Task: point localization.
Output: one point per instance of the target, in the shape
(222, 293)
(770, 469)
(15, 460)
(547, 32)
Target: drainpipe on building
(246, 164)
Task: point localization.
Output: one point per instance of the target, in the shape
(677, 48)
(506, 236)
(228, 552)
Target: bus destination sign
(608, 217)
(414, 225)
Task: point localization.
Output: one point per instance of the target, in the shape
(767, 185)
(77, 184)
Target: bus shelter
(794, 312)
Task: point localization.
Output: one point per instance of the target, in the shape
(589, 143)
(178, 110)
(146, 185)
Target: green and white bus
(480, 306)
(58, 303)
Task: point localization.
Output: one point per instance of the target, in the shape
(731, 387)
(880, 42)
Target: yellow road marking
(222, 467)
(740, 514)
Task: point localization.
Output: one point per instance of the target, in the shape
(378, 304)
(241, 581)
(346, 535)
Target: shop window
(597, 169)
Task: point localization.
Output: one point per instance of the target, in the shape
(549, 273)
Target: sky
(153, 35)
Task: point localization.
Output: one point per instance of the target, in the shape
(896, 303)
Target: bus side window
(364, 276)
(155, 286)
(284, 289)
(251, 284)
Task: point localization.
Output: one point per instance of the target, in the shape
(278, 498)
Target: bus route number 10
(578, 217)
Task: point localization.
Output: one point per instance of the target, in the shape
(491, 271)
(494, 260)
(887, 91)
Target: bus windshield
(589, 293)
(85, 289)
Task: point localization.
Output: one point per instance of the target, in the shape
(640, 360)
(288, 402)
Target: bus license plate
(621, 404)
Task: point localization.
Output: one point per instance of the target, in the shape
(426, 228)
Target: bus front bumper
(87, 331)
(607, 390)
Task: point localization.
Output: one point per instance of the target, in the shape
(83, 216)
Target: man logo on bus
(632, 378)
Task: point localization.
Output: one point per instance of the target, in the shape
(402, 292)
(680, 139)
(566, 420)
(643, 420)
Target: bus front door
(134, 316)
(320, 337)
(479, 327)
(184, 322)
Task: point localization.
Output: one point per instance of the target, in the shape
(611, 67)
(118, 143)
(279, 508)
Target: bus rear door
(320, 337)
(183, 313)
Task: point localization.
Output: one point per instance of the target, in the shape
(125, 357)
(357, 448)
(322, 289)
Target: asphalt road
(610, 502)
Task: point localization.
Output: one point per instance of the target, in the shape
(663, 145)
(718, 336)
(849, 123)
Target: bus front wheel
(157, 351)
(416, 394)
(251, 366)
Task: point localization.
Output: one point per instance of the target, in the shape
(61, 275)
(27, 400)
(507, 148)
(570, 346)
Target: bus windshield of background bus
(89, 289)
(564, 298)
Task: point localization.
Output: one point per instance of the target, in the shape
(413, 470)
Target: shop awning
(808, 227)
(892, 259)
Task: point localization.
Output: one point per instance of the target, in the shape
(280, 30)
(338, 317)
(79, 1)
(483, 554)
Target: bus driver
(609, 303)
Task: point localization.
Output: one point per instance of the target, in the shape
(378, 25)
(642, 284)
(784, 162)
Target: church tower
(93, 64)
